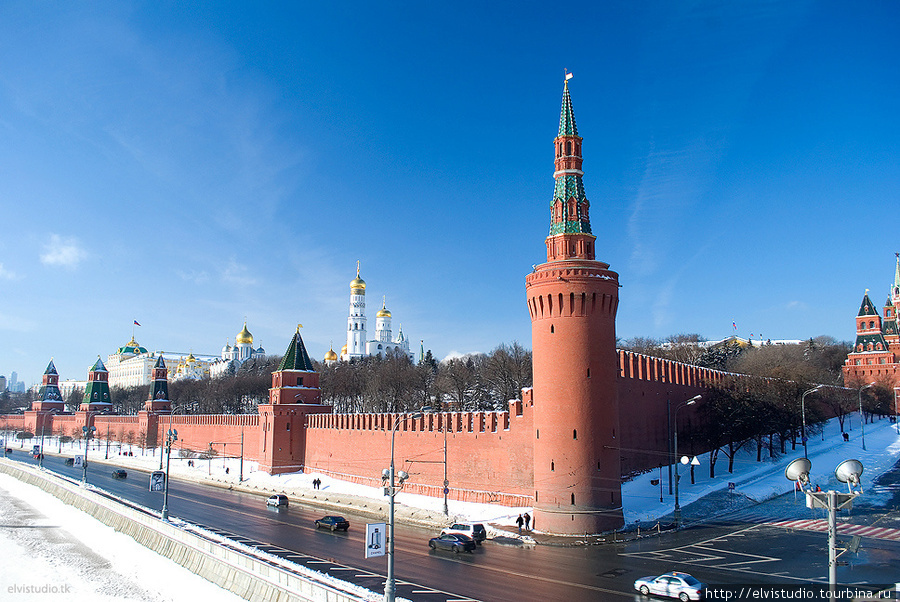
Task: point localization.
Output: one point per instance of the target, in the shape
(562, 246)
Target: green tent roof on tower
(567, 125)
(867, 308)
(296, 357)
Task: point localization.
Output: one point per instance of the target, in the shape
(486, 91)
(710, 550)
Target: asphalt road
(742, 550)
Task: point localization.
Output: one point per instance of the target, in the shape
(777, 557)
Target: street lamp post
(171, 437)
(88, 432)
(392, 489)
(803, 416)
(689, 402)
(862, 418)
(848, 471)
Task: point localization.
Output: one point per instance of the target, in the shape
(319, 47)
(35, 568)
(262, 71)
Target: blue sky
(187, 165)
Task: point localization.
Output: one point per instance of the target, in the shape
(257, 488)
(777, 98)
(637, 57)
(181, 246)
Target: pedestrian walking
(527, 518)
(520, 521)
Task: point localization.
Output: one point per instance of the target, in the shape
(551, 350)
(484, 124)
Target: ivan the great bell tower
(572, 299)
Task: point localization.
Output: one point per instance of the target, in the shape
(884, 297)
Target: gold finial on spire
(299, 326)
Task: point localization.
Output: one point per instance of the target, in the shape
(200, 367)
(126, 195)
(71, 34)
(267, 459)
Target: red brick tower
(294, 395)
(572, 300)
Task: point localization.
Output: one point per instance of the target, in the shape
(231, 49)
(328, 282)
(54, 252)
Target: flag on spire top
(136, 323)
(568, 76)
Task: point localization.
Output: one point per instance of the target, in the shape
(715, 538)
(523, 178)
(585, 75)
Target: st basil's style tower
(572, 299)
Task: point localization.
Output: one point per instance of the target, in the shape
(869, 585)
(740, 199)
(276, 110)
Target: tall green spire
(569, 206)
(567, 125)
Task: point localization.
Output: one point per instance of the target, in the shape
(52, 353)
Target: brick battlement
(644, 367)
(455, 422)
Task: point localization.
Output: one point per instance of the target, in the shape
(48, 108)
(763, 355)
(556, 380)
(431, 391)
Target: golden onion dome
(244, 336)
(330, 355)
(383, 312)
(191, 359)
(358, 285)
(344, 350)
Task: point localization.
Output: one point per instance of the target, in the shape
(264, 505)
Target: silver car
(673, 585)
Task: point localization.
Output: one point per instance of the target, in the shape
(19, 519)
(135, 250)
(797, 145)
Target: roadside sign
(78, 462)
(157, 480)
(730, 486)
(375, 533)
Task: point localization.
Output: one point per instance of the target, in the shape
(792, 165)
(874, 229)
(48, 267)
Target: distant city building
(358, 345)
(741, 342)
(15, 385)
(2, 384)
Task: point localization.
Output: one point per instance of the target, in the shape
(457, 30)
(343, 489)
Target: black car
(455, 542)
(335, 523)
(119, 474)
(69, 461)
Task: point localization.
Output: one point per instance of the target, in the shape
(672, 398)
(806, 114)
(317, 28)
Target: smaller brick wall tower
(49, 396)
(96, 391)
(158, 397)
(294, 395)
(572, 300)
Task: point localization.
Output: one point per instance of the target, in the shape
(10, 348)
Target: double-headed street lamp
(848, 471)
(88, 432)
(862, 418)
(171, 437)
(689, 402)
(391, 490)
(803, 416)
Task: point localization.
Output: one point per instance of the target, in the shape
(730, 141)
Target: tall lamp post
(391, 490)
(803, 416)
(171, 437)
(862, 418)
(848, 471)
(689, 402)
(88, 432)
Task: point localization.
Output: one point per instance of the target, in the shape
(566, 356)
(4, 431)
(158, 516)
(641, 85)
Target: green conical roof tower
(96, 391)
(296, 357)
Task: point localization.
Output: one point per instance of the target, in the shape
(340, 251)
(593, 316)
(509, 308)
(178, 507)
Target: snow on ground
(53, 551)
(641, 500)
(760, 481)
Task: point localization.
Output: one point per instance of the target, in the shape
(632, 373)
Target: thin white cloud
(197, 277)
(236, 273)
(6, 274)
(63, 252)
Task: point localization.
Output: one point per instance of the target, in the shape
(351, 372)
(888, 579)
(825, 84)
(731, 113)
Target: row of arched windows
(564, 148)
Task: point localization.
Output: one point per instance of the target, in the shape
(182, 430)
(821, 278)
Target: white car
(673, 585)
(474, 530)
(277, 500)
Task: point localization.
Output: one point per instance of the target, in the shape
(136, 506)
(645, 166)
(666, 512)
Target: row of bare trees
(389, 383)
(395, 384)
(761, 405)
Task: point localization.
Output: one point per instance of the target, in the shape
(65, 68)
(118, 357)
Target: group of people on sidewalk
(524, 519)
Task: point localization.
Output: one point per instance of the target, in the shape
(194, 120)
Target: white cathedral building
(358, 345)
(238, 354)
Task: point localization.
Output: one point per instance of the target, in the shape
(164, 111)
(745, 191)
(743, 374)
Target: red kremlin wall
(490, 455)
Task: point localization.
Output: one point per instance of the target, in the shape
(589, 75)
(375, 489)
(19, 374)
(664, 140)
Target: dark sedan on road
(455, 542)
(335, 523)
(119, 474)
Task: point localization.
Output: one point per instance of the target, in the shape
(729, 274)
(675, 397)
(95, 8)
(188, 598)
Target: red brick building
(876, 353)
